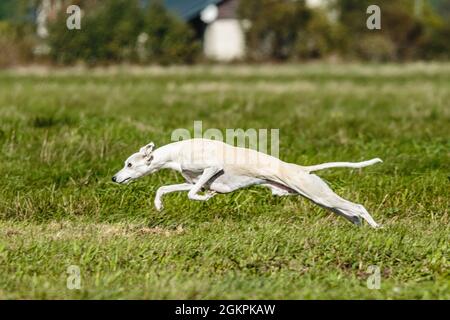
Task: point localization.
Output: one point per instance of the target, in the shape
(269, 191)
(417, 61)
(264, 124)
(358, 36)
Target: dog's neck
(165, 158)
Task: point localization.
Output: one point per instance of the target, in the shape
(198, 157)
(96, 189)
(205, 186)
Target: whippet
(215, 167)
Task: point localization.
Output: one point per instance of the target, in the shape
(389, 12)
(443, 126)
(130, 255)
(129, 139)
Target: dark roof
(188, 9)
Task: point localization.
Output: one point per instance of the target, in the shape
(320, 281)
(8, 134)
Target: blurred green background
(174, 31)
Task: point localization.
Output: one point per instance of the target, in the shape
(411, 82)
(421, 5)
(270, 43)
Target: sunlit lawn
(64, 133)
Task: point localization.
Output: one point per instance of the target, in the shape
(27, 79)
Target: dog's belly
(228, 183)
(224, 182)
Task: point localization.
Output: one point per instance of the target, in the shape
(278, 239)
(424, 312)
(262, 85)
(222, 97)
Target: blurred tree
(17, 37)
(7, 9)
(119, 24)
(442, 8)
(405, 33)
(131, 31)
(16, 45)
(108, 34)
(319, 36)
(274, 27)
(167, 38)
(123, 31)
(435, 42)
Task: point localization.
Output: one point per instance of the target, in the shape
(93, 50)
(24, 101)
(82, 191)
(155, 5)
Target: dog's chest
(191, 176)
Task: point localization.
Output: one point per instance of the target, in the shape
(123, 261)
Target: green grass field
(64, 133)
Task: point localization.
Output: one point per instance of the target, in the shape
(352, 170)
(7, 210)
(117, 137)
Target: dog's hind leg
(315, 189)
(279, 190)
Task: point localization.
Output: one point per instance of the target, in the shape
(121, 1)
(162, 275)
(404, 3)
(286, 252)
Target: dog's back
(202, 153)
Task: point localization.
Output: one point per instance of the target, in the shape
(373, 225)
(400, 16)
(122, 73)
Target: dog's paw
(158, 205)
(209, 194)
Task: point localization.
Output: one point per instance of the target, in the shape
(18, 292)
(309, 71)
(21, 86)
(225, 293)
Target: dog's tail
(343, 165)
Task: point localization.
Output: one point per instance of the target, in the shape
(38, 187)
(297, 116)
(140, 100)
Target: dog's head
(137, 165)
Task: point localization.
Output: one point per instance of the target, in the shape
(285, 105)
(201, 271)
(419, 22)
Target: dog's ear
(147, 150)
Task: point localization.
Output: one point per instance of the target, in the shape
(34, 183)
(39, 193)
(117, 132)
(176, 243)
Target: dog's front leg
(168, 189)
(208, 173)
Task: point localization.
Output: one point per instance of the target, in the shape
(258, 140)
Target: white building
(216, 22)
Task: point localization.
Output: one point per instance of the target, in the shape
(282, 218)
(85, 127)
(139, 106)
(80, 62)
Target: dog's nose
(114, 179)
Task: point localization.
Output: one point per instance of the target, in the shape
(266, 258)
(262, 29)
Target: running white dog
(216, 167)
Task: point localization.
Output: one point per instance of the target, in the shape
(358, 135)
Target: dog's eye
(129, 165)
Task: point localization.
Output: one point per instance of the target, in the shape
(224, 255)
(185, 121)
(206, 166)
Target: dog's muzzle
(124, 181)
